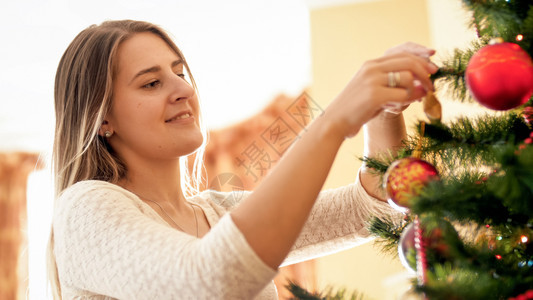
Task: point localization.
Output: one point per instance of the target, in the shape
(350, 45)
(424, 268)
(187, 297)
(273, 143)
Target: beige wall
(342, 38)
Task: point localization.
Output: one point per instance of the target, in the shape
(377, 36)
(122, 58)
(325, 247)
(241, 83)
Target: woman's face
(154, 112)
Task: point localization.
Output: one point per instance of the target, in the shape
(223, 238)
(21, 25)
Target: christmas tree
(466, 187)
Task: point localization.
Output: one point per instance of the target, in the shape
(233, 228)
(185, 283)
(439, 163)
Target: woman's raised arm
(272, 217)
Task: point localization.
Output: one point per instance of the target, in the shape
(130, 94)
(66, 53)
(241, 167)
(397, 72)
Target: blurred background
(259, 66)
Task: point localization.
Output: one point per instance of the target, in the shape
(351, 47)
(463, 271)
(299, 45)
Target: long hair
(83, 95)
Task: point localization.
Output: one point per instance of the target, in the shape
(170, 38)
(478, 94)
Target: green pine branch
(461, 144)
(502, 198)
(494, 18)
(483, 130)
(388, 232)
(527, 27)
(451, 75)
(454, 283)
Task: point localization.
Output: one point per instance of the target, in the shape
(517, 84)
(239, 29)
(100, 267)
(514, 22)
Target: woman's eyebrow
(144, 71)
(154, 69)
(176, 62)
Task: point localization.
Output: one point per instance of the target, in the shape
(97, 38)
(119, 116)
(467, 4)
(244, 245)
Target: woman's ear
(105, 130)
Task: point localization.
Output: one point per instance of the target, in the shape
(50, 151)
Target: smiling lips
(180, 116)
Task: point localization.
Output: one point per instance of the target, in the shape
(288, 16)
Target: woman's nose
(181, 89)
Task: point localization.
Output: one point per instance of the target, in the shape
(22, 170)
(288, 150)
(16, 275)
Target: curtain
(14, 171)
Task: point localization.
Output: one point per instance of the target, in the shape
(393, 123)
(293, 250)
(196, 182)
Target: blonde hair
(83, 95)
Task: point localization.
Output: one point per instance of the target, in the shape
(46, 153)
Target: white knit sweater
(110, 244)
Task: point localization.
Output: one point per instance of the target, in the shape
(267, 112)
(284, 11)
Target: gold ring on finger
(393, 79)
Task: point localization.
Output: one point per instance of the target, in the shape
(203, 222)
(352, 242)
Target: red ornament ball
(500, 76)
(525, 296)
(405, 178)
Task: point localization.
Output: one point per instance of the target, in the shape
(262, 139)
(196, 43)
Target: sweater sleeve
(106, 245)
(338, 221)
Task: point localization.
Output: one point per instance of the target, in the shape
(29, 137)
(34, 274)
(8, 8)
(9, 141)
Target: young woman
(128, 223)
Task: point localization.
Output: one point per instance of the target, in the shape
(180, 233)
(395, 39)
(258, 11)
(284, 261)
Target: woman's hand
(414, 49)
(396, 79)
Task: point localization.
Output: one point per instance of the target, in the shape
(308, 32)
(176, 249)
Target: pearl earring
(108, 134)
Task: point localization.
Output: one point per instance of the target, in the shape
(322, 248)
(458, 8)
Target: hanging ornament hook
(432, 107)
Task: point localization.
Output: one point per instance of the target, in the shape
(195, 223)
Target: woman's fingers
(397, 97)
(406, 96)
(400, 90)
(417, 92)
(419, 69)
(405, 73)
(423, 61)
(412, 48)
(405, 80)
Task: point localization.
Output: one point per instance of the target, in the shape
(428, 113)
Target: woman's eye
(181, 75)
(151, 85)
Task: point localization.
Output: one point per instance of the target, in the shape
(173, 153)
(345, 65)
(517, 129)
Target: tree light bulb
(524, 239)
(519, 38)
(498, 256)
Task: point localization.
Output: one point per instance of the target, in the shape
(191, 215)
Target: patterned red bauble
(405, 178)
(500, 76)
